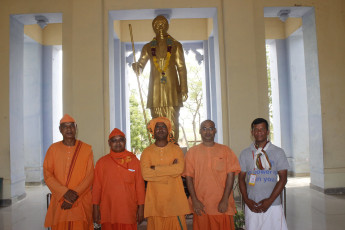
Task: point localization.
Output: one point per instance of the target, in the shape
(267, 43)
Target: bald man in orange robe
(210, 172)
(118, 189)
(68, 172)
(162, 164)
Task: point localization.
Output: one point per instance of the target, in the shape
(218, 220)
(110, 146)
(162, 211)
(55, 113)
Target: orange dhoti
(117, 226)
(72, 225)
(209, 222)
(172, 223)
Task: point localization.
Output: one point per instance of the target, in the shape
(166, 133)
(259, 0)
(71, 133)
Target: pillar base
(9, 202)
(329, 191)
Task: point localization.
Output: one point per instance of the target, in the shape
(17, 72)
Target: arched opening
(294, 79)
(119, 59)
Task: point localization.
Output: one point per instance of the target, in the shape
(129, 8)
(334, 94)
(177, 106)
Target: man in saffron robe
(118, 193)
(162, 164)
(68, 172)
(210, 171)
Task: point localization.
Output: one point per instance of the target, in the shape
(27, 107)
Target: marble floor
(310, 209)
(306, 209)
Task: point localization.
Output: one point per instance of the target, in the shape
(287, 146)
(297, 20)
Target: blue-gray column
(298, 100)
(206, 84)
(117, 85)
(112, 64)
(16, 108)
(124, 91)
(212, 80)
(217, 93)
(314, 100)
(47, 98)
(284, 99)
(33, 125)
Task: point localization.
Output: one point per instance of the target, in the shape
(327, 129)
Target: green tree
(194, 103)
(195, 96)
(139, 139)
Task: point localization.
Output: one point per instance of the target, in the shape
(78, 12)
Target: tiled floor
(310, 209)
(306, 209)
(26, 214)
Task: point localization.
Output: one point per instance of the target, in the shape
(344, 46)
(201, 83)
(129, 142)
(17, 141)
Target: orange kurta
(56, 168)
(209, 166)
(118, 187)
(165, 195)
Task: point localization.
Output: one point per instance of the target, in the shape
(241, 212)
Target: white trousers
(272, 219)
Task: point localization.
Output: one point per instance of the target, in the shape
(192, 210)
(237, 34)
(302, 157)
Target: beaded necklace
(167, 57)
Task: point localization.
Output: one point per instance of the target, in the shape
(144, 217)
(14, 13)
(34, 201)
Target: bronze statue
(168, 77)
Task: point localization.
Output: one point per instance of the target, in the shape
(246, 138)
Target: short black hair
(259, 121)
(208, 120)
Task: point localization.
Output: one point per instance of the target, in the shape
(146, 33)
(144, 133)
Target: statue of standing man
(168, 77)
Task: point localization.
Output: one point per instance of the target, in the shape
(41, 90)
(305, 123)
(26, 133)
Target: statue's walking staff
(137, 74)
